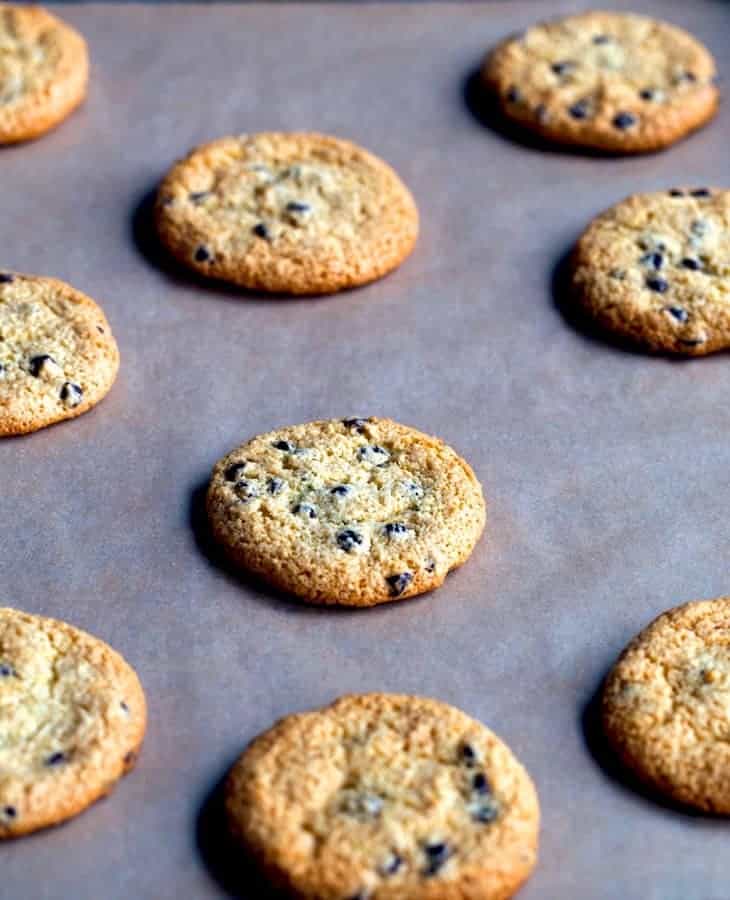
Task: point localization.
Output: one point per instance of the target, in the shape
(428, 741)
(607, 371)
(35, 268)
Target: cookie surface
(58, 357)
(44, 70)
(72, 718)
(653, 269)
(385, 796)
(289, 213)
(666, 704)
(349, 511)
(615, 82)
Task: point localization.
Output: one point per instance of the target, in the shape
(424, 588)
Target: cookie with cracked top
(291, 213)
(653, 270)
(385, 797)
(44, 70)
(615, 82)
(72, 719)
(347, 511)
(58, 357)
(666, 705)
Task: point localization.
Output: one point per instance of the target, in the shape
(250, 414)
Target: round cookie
(290, 213)
(58, 357)
(44, 70)
(666, 705)
(73, 717)
(615, 82)
(347, 511)
(653, 269)
(385, 797)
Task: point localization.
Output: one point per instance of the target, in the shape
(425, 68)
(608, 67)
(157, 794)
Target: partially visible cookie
(72, 719)
(349, 511)
(58, 357)
(44, 70)
(616, 82)
(291, 213)
(653, 269)
(666, 705)
(385, 797)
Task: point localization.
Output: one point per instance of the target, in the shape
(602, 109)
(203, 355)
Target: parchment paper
(607, 472)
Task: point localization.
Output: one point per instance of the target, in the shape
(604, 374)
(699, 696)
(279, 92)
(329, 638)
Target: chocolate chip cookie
(72, 719)
(44, 69)
(58, 357)
(286, 212)
(616, 82)
(653, 270)
(385, 796)
(666, 705)
(350, 511)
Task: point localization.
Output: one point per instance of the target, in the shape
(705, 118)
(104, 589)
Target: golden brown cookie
(58, 357)
(350, 511)
(289, 213)
(653, 270)
(72, 719)
(385, 797)
(616, 82)
(666, 705)
(44, 70)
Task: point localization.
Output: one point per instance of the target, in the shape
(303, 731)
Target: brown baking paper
(607, 471)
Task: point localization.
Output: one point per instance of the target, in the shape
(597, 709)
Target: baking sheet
(606, 471)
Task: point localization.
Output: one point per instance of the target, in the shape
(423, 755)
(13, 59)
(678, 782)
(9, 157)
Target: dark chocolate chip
(368, 452)
(656, 260)
(275, 486)
(480, 783)
(245, 490)
(691, 263)
(6, 671)
(124, 706)
(129, 758)
(38, 362)
(436, 857)
(580, 109)
(202, 254)
(430, 566)
(286, 446)
(468, 754)
(296, 206)
(701, 192)
(305, 509)
(486, 811)
(692, 342)
(10, 812)
(261, 231)
(71, 394)
(391, 865)
(676, 312)
(601, 39)
(675, 192)
(563, 67)
(395, 528)
(647, 94)
(6, 277)
(197, 196)
(55, 759)
(513, 95)
(657, 284)
(234, 472)
(399, 583)
(624, 120)
(689, 76)
(348, 539)
(355, 424)
(340, 490)
(100, 329)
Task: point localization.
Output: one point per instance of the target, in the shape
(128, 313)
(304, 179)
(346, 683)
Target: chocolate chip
(340, 490)
(580, 109)
(391, 865)
(6, 277)
(38, 363)
(6, 671)
(245, 490)
(430, 566)
(485, 811)
(689, 76)
(395, 529)
(261, 231)
(676, 312)
(701, 192)
(348, 539)
(415, 490)
(399, 583)
(436, 857)
(513, 95)
(647, 94)
(691, 263)
(563, 68)
(675, 192)
(468, 754)
(285, 446)
(275, 486)
(624, 120)
(71, 394)
(100, 329)
(10, 812)
(305, 509)
(657, 284)
(374, 454)
(55, 759)
(480, 783)
(129, 758)
(692, 342)
(601, 39)
(202, 254)
(234, 472)
(124, 706)
(653, 259)
(355, 424)
(197, 196)
(296, 206)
